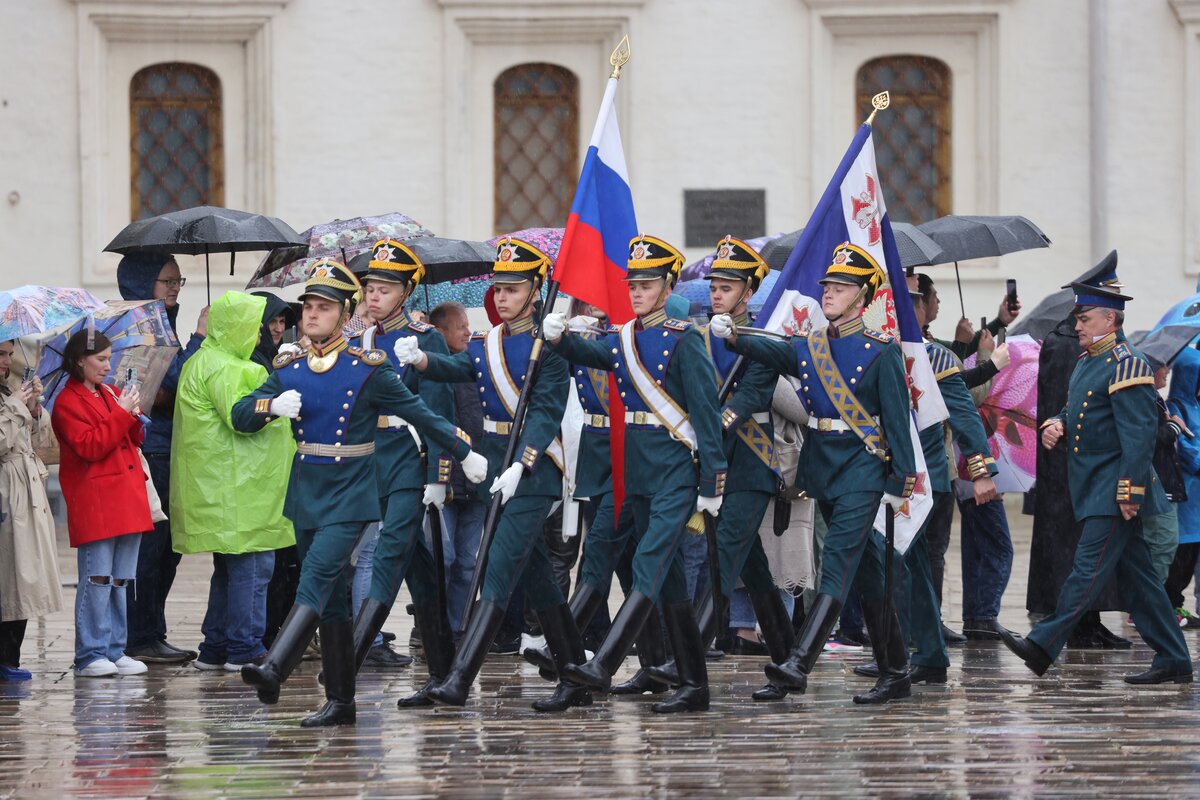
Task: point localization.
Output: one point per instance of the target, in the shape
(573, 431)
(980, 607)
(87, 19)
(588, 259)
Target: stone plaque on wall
(709, 214)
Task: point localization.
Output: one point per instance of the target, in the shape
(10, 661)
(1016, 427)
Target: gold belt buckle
(824, 424)
(639, 418)
(597, 421)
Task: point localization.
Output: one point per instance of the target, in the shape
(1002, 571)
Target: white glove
(475, 467)
(506, 482)
(286, 405)
(893, 501)
(290, 349)
(721, 325)
(435, 495)
(554, 325)
(407, 350)
(582, 324)
(709, 505)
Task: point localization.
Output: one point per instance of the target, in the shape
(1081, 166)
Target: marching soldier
(332, 491)
(528, 487)
(1109, 426)
(854, 386)
(753, 478)
(665, 380)
(931, 659)
(393, 273)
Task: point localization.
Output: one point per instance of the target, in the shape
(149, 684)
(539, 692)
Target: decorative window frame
(481, 39)
(1188, 12)
(102, 26)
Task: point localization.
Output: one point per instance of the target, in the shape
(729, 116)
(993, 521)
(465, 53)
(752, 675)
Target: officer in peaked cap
(496, 361)
(332, 492)
(672, 444)
(393, 273)
(1108, 427)
(858, 452)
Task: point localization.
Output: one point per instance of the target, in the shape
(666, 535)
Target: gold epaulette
(1132, 370)
(943, 362)
(372, 358)
(421, 327)
(283, 359)
(677, 324)
(879, 336)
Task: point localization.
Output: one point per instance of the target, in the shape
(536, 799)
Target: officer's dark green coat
(518, 551)
(1110, 423)
(751, 481)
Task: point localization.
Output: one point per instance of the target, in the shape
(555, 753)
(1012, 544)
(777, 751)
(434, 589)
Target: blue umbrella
(1179, 326)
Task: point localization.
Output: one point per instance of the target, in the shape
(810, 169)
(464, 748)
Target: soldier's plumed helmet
(737, 261)
(854, 266)
(518, 261)
(332, 280)
(651, 258)
(1099, 287)
(394, 262)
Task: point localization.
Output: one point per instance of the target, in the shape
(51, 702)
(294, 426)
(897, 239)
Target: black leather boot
(367, 624)
(337, 660)
(285, 653)
(473, 649)
(650, 652)
(891, 654)
(1034, 657)
(586, 601)
(437, 644)
(793, 673)
(566, 645)
(689, 647)
(706, 620)
(777, 634)
(598, 672)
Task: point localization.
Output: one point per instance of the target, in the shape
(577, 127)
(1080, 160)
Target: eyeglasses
(172, 282)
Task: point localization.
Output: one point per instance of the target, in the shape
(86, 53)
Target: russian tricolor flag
(595, 246)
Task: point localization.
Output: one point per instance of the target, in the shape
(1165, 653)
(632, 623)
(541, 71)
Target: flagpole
(618, 59)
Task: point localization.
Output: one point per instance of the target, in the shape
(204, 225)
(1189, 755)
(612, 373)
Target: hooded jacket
(136, 275)
(266, 350)
(227, 488)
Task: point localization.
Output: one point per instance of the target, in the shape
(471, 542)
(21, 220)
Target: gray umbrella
(916, 249)
(444, 259)
(1046, 315)
(1161, 345)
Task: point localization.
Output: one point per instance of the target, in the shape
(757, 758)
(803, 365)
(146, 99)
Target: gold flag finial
(879, 102)
(619, 56)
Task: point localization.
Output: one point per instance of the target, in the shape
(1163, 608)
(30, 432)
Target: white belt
(827, 424)
(492, 426)
(642, 418)
(391, 422)
(596, 420)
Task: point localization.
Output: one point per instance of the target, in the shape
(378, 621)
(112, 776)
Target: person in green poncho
(227, 488)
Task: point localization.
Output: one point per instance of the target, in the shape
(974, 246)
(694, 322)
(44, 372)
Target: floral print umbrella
(31, 309)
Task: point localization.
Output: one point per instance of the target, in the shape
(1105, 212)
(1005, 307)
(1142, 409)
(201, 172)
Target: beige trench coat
(30, 585)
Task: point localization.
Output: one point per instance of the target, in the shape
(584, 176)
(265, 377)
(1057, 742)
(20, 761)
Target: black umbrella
(205, 229)
(1161, 345)
(1046, 315)
(916, 249)
(963, 238)
(444, 259)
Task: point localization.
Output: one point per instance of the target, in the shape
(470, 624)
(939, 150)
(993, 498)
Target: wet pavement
(993, 730)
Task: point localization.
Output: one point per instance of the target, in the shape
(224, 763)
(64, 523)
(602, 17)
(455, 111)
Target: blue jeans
(695, 565)
(741, 610)
(364, 572)
(156, 566)
(987, 556)
(237, 608)
(105, 569)
(462, 529)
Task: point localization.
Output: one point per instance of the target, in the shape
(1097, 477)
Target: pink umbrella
(1010, 417)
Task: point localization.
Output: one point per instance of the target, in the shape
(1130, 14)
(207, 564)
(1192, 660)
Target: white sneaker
(205, 666)
(531, 642)
(100, 668)
(130, 666)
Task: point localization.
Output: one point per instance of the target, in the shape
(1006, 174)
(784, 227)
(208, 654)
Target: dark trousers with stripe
(851, 555)
(402, 553)
(606, 540)
(740, 551)
(519, 553)
(660, 523)
(1108, 546)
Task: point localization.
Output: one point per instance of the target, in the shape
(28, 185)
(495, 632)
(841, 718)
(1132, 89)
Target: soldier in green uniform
(930, 658)
(495, 361)
(853, 384)
(393, 273)
(672, 420)
(753, 478)
(332, 492)
(1109, 426)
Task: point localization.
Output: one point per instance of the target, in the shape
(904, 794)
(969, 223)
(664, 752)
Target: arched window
(536, 146)
(176, 156)
(912, 138)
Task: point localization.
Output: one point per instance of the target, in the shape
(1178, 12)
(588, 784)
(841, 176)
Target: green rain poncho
(227, 488)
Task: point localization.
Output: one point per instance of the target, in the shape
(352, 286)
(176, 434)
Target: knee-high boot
(438, 649)
(586, 601)
(566, 645)
(706, 620)
(689, 647)
(367, 625)
(891, 654)
(337, 661)
(598, 672)
(793, 673)
(652, 652)
(777, 633)
(472, 651)
(285, 653)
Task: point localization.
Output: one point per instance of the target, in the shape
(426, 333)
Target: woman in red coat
(104, 487)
